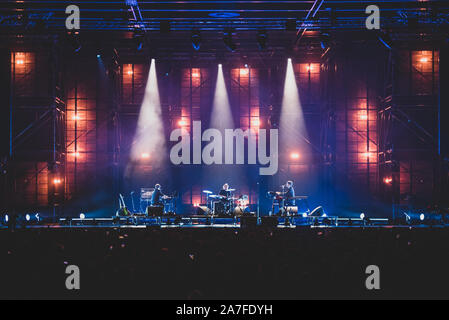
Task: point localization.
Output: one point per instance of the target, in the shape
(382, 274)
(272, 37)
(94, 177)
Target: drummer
(225, 192)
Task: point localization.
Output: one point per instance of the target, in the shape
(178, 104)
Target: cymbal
(231, 190)
(207, 191)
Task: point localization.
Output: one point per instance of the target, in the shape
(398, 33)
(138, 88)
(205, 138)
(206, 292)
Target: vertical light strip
(292, 130)
(149, 141)
(221, 117)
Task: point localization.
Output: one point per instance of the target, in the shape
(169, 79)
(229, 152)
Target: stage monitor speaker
(248, 222)
(317, 212)
(270, 222)
(202, 210)
(155, 211)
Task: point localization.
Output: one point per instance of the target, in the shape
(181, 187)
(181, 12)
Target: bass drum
(219, 208)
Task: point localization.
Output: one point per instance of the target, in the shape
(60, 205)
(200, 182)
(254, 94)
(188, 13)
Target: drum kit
(230, 206)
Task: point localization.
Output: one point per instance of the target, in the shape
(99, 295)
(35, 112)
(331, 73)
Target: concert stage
(258, 149)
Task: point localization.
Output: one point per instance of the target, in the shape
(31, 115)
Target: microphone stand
(132, 200)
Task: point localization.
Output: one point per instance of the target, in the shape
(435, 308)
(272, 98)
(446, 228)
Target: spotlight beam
(292, 125)
(150, 138)
(221, 117)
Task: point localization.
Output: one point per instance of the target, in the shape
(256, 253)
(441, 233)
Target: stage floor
(202, 222)
(221, 226)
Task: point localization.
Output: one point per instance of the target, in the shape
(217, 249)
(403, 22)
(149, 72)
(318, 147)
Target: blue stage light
(223, 15)
(27, 217)
(82, 216)
(228, 40)
(422, 217)
(196, 40)
(6, 218)
(362, 216)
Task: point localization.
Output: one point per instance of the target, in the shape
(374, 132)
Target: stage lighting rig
(385, 39)
(73, 38)
(139, 39)
(136, 20)
(325, 41)
(262, 38)
(145, 156)
(228, 40)
(196, 39)
(294, 156)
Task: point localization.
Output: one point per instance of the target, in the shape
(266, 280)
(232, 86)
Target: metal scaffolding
(408, 122)
(37, 111)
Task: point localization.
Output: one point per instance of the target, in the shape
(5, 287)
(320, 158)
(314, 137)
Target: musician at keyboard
(288, 193)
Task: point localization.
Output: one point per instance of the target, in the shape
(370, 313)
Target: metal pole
(11, 93)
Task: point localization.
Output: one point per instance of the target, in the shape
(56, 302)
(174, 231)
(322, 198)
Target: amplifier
(155, 211)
